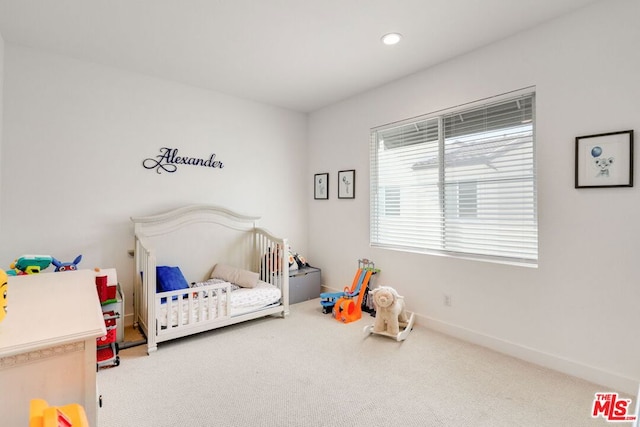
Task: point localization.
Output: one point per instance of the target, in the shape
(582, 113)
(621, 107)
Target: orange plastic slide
(346, 309)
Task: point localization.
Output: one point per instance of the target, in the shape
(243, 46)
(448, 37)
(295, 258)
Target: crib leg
(152, 349)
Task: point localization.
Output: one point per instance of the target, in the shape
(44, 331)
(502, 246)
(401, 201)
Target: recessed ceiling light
(391, 38)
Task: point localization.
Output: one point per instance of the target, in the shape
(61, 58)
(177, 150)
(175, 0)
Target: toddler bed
(238, 272)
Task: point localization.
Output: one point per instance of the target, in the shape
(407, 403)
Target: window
(462, 198)
(458, 182)
(391, 200)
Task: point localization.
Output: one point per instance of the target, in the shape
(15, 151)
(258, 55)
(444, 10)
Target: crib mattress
(243, 300)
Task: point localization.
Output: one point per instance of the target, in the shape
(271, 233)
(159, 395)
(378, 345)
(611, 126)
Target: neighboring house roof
(462, 153)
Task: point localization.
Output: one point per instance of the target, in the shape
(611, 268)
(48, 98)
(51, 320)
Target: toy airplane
(31, 264)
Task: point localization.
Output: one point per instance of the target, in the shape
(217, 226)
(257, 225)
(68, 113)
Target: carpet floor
(310, 370)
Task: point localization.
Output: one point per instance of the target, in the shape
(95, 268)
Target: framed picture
(347, 184)
(604, 160)
(321, 186)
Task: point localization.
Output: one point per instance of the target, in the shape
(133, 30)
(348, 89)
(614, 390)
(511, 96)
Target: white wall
(1, 100)
(76, 134)
(579, 310)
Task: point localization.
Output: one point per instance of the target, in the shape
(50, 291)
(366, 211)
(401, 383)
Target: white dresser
(48, 343)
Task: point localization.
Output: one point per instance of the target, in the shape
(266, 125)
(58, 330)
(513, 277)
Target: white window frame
(442, 209)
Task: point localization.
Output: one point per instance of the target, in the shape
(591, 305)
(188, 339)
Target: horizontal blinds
(461, 182)
(416, 222)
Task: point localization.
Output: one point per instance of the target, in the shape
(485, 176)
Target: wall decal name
(168, 161)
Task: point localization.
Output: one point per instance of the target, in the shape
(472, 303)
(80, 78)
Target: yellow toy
(43, 415)
(4, 289)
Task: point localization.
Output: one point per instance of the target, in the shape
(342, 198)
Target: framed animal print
(604, 160)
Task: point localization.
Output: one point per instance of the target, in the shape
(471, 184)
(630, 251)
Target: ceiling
(297, 54)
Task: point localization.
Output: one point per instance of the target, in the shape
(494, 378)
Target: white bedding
(243, 300)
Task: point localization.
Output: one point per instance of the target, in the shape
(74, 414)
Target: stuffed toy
(390, 310)
(296, 261)
(66, 266)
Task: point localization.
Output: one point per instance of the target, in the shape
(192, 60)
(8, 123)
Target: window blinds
(460, 182)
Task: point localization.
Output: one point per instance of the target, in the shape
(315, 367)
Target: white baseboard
(128, 319)
(609, 380)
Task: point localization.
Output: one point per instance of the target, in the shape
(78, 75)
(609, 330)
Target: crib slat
(188, 317)
(209, 306)
(170, 304)
(201, 306)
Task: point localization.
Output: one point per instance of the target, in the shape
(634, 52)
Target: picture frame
(604, 160)
(347, 184)
(321, 186)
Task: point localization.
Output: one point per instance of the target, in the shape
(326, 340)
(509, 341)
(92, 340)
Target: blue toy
(66, 266)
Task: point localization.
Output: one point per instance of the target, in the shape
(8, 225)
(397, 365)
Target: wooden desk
(48, 344)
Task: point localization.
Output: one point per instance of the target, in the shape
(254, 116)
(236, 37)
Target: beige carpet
(310, 370)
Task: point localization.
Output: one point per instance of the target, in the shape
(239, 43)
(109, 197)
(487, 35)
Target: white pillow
(238, 276)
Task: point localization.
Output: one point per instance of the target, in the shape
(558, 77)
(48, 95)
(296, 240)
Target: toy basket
(108, 338)
(106, 293)
(110, 318)
(108, 356)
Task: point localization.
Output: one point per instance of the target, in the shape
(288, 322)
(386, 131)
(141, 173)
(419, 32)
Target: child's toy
(296, 261)
(390, 314)
(389, 310)
(367, 304)
(328, 299)
(4, 289)
(66, 266)
(342, 304)
(43, 415)
(29, 264)
(12, 271)
(347, 309)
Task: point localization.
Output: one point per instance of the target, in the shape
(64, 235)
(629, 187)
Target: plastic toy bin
(107, 347)
(110, 318)
(108, 356)
(106, 293)
(108, 338)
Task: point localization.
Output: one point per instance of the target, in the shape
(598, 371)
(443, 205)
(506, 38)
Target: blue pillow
(170, 279)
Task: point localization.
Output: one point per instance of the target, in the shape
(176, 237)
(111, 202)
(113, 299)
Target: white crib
(195, 238)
